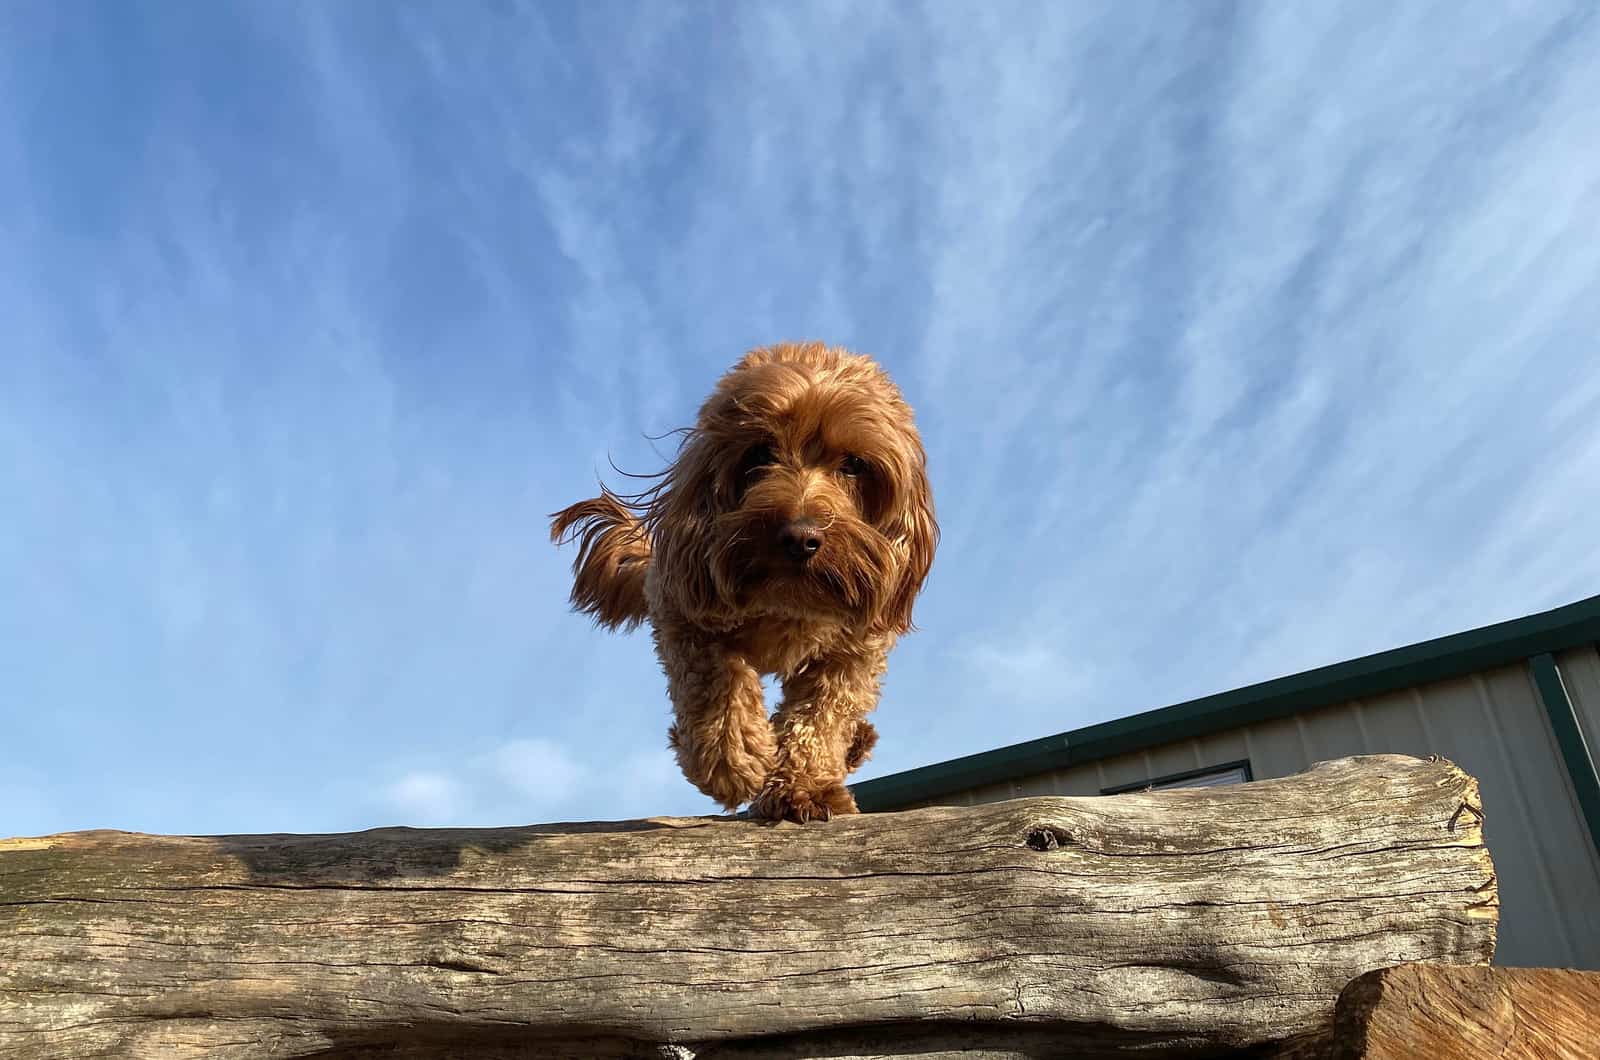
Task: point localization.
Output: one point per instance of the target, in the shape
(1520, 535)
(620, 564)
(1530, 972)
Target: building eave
(1502, 644)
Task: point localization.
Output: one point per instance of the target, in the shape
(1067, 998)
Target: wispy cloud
(432, 799)
(537, 769)
(531, 780)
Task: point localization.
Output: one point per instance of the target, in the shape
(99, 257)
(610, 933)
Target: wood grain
(1452, 1013)
(1154, 923)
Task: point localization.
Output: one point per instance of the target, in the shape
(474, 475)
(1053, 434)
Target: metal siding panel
(1580, 672)
(1394, 724)
(1358, 716)
(953, 798)
(1452, 721)
(1562, 835)
(1124, 769)
(1276, 750)
(1084, 780)
(989, 793)
(1171, 758)
(1217, 748)
(1333, 732)
(1583, 782)
(1077, 781)
(1038, 784)
(1514, 761)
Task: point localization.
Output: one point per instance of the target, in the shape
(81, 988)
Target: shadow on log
(1179, 923)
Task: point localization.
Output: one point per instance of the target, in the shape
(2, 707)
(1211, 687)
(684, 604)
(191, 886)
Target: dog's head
(802, 490)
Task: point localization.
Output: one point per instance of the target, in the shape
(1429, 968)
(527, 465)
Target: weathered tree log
(1449, 1013)
(1166, 923)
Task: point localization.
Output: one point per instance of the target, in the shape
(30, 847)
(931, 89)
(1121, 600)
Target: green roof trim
(1502, 644)
(1569, 738)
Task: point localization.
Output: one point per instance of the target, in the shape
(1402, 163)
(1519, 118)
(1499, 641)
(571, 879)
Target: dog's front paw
(731, 784)
(729, 770)
(801, 799)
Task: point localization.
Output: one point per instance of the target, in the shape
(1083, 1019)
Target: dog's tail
(613, 554)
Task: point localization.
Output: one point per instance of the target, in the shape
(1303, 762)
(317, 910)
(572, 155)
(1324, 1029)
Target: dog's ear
(914, 535)
(680, 516)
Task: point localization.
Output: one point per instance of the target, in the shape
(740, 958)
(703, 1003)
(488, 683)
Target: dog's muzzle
(800, 540)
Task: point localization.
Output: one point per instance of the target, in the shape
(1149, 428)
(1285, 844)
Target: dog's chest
(781, 646)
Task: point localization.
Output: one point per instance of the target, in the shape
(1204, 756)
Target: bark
(1172, 923)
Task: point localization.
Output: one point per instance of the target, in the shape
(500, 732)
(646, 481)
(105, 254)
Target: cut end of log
(1446, 1012)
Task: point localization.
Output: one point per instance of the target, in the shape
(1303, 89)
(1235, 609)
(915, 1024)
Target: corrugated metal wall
(1492, 724)
(1580, 672)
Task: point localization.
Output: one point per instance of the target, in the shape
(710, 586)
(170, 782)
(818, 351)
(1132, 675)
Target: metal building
(1517, 705)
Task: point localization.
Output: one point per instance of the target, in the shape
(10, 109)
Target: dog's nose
(801, 539)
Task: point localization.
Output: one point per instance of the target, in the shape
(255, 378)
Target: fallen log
(1172, 923)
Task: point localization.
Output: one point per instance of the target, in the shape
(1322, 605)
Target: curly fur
(795, 439)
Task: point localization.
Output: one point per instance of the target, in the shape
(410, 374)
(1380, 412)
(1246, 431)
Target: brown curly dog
(790, 537)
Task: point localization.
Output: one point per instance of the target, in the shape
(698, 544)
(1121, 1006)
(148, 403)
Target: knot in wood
(1048, 837)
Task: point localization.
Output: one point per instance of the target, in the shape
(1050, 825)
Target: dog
(790, 536)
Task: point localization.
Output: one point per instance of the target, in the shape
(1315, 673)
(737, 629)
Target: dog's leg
(822, 735)
(721, 734)
(861, 745)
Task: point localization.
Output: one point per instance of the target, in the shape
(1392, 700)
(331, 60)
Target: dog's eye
(755, 458)
(853, 466)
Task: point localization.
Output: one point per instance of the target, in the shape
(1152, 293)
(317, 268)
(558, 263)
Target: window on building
(1209, 777)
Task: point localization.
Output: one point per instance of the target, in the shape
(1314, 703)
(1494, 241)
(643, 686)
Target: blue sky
(1244, 338)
